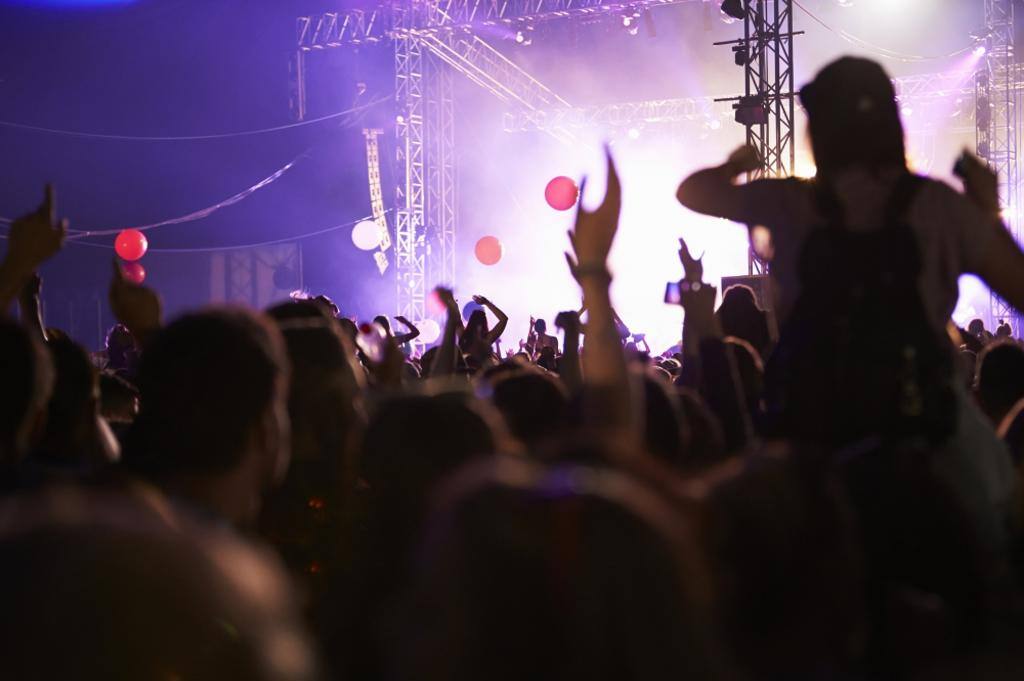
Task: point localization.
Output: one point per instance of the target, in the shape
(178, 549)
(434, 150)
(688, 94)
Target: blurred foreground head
(97, 586)
(559, 573)
(213, 421)
(26, 382)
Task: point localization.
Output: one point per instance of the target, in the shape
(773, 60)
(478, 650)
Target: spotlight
(734, 8)
(524, 37)
(715, 124)
(980, 51)
(741, 55)
(633, 133)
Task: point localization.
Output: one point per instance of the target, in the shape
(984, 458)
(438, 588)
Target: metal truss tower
(997, 119)
(433, 40)
(768, 104)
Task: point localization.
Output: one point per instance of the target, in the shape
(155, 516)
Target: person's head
(976, 327)
(476, 325)
(547, 359)
(120, 345)
(540, 326)
(749, 369)
(411, 442)
(567, 572)
(705, 443)
(664, 429)
(72, 435)
(1004, 330)
(741, 317)
(152, 596)
(325, 383)
(535, 406)
(384, 323)
(782, 543)
(25, 390)
(854, 120)
(213, 422)
(1000, 378)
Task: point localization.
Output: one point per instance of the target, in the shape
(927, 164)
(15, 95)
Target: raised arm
(137, 307)
(714, 191)
(412, 334)
(608, 402)
(499, 328)
(29, 308)
(444, 362)
(1002, 266)
(709, 365)
(32, 240)
(569, 367)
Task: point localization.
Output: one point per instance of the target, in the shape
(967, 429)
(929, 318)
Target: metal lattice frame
(410, 191)
(918, 91)
(355, 27)
(996, 120)
(768, 39)
(442, 194)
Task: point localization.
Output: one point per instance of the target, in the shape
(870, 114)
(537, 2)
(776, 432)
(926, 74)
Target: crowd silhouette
(826, 487)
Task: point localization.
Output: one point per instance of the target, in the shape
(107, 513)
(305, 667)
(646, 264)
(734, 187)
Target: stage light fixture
(741, 55)
(734, 9)
(751, 111)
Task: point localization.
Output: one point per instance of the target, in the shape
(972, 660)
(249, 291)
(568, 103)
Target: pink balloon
(562, 193)
(489, 250)
(134, 272)
(131, 244)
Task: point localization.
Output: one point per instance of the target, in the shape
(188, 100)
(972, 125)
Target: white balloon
(430, 331)
(366, 235)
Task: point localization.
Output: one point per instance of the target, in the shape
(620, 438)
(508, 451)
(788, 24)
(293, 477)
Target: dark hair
(205, 381)
(664, 434)
(24, 387)
(540, 325)
(535, 405)
(384, 323)
(179, 600)
(742, 317)
(475, 331)
(1000, 377)
(558, 573)
(70, 417)
(853, 118)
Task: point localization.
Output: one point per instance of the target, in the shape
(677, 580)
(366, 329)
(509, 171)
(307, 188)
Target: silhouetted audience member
(25, 390)
(213, 424)
(1000, 381)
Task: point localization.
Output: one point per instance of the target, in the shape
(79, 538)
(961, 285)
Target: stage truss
(997, 94)
(433, 40)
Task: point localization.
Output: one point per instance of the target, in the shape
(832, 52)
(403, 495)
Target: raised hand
(447, 299)
(981, 184)
(137, 307)
(568, 321)
(403, 320)
(480, 300)
(744, 160)
(594, 231)
(36, 237)
(693, 269)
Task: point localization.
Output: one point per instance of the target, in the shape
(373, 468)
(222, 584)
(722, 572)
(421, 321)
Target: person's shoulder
(938, 194)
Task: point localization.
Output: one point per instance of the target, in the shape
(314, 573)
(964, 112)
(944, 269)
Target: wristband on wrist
(593, 270)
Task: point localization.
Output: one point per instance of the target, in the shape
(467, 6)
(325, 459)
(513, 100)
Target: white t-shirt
(953, 235)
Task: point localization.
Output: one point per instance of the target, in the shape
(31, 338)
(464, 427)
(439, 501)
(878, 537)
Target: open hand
(36, 237)
(137, 307)
(480, 300)
(592, 236)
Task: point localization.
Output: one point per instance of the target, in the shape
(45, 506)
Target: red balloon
(489, 250)
(562, 193)
(131, 244)
(134, 272)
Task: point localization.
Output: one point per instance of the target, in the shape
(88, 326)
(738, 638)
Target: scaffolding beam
(996, 120)
(357, 27)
